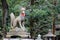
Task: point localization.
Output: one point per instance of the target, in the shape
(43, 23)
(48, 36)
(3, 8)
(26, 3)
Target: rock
(17, 31)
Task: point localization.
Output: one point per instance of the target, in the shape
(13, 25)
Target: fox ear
(23, 11)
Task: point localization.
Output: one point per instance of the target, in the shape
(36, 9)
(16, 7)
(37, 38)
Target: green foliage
(41, 21)
(41, 17)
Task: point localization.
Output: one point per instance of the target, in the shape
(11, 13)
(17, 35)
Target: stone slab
(16, 39)
(22, 34)
(18, 32)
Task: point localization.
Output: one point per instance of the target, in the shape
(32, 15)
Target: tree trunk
(31, 21)
(54, 3)
(4, 16)
(31, 28)
(32, 2)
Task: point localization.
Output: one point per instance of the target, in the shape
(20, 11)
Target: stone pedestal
(17, 32)
(16, 39)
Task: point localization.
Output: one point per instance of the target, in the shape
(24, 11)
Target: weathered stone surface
(17, 31)
(16, 39)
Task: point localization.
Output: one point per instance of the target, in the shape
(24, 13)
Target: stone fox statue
(19, 19)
